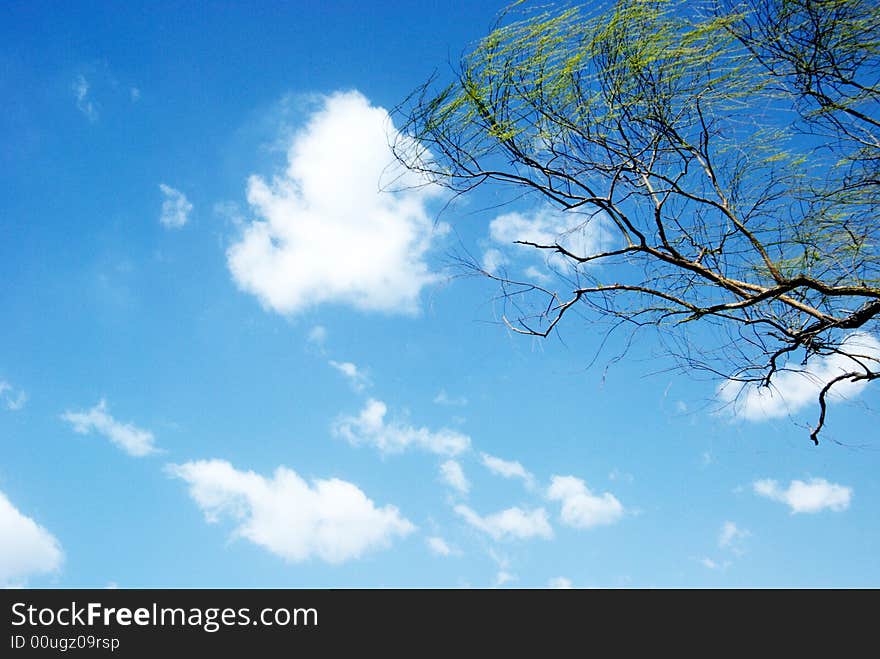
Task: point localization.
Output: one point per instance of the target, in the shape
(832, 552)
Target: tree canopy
(729, 150)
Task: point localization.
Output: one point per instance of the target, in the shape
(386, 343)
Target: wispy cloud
(512, 523)
(175, 208)
(131, 439)
(331, 519)
(560, 583)
(371, 428)
(507, 469)
(453, 475)
(84, 103)
(12, 399)
(440, 547)
(442, 398)
(355, 376)
(731, 537)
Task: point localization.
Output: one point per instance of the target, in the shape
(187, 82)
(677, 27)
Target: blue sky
(226, 360)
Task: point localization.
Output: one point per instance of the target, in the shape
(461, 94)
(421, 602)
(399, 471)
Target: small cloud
(442, 398)
(711, 564)
(129, 438)
(453, 475)
(175, 208)
(135, 94)
(618, 475)
(440, 547)
(356, 378)
(84, 103)
(331, 519)
(12, 399)
(812, 496)
(560, 583)
(510, 524)
(370, 427)
(493, 259)
(581, 508)
(507, 469)
(731, 537)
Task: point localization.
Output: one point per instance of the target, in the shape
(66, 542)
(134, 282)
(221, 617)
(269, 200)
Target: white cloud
(175, 207)
(618, 475)
(317, 335)
(512, 523)
(560, 583)
(83, 103)
(370, 427)
(131, 439)
(13, 399)
(440, 547)
(507, 469)
(581, 508)
(711, 564)
(503, 578)
(26, 548)
(812, 496)
(330, 519)
(327, 231)
(796, 387)
(356, 377)
(731, 537)
(493, 259)
(135, 94)
(453, 475)
(533, 274)
(442, 398)
(579, 233)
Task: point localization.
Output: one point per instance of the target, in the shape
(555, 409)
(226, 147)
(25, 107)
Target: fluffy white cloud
(83, 102)
(512, 523)
(330, 519)
(507, 469)
(175, 207)
(812, 496)
(331, 229)
(560, 583)
(356, 377)
(731, 536)
(13, 399)
(131, 439)
(795, 387)
(370, 427)
(581, 508)
(439, 546)
(26, 548)
(453, 475)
